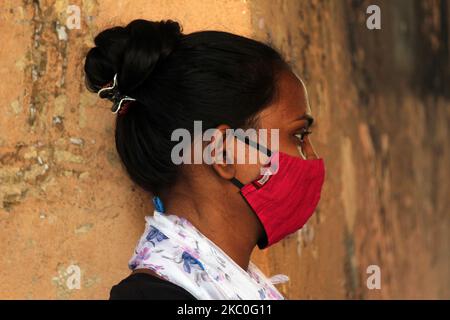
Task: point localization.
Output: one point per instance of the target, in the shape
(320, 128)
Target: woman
(208, 217)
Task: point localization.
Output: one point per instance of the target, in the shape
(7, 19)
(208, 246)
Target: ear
(224, 164)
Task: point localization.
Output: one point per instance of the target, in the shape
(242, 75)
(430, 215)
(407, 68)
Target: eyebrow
(306, 117)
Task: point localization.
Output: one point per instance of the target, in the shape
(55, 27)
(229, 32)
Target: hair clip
(117, 106)
(112, 93)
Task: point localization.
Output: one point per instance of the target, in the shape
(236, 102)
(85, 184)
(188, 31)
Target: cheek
(290, 144)
(248, 162)
(248, 172)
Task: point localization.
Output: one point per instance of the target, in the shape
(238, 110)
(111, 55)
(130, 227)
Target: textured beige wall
(381, 99)
(64, 198)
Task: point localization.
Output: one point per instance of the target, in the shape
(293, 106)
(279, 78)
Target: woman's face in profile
(291, 115)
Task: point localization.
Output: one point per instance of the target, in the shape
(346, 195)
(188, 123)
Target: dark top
(144, 286)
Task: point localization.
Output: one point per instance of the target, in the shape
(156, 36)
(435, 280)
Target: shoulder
(143, 286)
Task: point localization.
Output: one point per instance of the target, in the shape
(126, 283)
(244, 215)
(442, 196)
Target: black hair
(213, 76)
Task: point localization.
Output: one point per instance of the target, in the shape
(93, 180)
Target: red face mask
(285, 196)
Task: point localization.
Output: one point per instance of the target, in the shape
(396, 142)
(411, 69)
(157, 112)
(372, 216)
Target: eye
(302, 134)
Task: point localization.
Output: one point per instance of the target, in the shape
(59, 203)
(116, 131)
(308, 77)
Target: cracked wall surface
(381, 99)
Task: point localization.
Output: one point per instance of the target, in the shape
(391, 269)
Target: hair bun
(132, 52)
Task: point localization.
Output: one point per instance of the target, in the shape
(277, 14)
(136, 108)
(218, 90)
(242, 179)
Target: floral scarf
(178, 252)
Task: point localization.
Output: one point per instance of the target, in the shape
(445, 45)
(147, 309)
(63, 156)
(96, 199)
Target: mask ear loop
(255, 145)
(237, 183)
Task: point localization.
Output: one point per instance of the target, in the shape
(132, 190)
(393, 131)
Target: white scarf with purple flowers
(178, 252)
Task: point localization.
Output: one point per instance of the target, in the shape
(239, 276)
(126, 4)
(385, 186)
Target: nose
(307, 149)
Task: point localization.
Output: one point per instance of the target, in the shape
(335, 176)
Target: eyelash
(302, 134)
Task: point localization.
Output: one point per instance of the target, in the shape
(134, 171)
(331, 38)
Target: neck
(234, 230)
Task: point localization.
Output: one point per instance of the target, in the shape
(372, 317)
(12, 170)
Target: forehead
(291, 103)
(293, 91)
